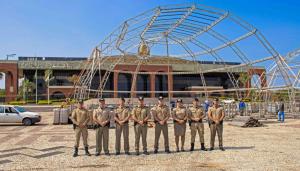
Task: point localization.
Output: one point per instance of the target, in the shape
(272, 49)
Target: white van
(17, 114)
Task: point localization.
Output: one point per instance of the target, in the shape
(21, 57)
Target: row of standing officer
(140, 115)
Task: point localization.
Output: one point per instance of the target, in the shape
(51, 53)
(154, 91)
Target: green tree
(243, 78)
(26, 89)
(2, 92)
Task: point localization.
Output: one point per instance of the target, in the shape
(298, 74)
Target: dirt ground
(49, 147)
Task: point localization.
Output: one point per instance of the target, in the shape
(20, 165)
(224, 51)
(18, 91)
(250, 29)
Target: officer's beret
(196, 99)
(179, 100)
(101, 99)
(141, 98)
(160, 98)
(80, 101)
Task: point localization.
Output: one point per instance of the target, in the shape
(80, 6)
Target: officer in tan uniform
(180, 116)
(122, 115)
(102, 117)
(196, 114)
(216, 116)
(161, 115)
(140, 115)
(80, 118)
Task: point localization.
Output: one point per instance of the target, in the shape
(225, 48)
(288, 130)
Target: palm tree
(244, 78)
(73, 79)
(26, 89)
(48, 77)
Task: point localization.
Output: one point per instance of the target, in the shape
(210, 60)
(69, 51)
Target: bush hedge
(17, 102)
(44, 102)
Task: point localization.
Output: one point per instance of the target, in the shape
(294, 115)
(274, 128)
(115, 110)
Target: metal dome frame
(183, 25)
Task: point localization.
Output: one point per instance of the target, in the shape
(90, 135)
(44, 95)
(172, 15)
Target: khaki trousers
(164, 129)
(81, 132)
(140, 131)
(102, 136)
(197, 127)
(125, 129)
(216, 128)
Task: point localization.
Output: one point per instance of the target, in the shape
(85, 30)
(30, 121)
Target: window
(21, 109)
(10, 110)
(1, 109)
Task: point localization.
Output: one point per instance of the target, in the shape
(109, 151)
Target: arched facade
(11, 80)
(58, 95)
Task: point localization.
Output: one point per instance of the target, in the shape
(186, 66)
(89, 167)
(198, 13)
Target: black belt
(196, 121)
(177, 121)
(213, 122)
(99, 126)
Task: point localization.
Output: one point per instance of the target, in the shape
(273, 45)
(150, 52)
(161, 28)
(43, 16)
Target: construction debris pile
(245, 121)
(252, 123)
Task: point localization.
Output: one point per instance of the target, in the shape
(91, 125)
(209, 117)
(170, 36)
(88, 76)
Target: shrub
(17, 102)
(43, 102)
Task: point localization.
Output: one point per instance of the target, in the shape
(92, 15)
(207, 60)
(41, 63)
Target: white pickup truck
(17, 114)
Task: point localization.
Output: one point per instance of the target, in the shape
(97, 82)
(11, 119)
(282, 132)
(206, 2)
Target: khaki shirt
(161, 112)
(80, 116)
(122, 112)
(216, 113)
(195, 112)
(180, 113)
(102, 114)
(140, 113)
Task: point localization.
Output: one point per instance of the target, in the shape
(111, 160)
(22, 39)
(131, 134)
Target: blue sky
(74, 27)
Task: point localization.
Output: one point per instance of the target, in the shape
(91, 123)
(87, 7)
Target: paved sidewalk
(50, 147)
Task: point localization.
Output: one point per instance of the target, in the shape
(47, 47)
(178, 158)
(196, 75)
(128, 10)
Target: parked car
(17, 114)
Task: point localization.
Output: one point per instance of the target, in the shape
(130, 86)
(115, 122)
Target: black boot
(222, 148)
(167, 151)
(203, 147)
(75, 152)
(87, 153)
(192, 146)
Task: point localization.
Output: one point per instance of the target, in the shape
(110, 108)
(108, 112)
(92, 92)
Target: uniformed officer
(180, 116)
(196, 115)
(216, 116)
(161, 115)
(122, 115)
(80, 118)
(140, 115)
(102, 117)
